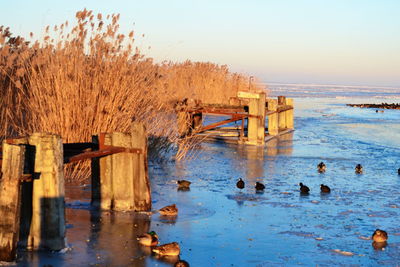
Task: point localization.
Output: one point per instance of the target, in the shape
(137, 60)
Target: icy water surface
(220, 225)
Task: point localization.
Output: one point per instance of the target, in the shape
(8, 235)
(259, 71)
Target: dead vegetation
(89, 78)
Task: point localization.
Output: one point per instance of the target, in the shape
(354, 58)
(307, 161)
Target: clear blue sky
(352, 42)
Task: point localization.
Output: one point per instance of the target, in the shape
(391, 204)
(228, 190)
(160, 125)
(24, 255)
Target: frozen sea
(220, 225)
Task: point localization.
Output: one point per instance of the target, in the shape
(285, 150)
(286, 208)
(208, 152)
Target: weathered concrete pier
(262, 119)
(32, 205)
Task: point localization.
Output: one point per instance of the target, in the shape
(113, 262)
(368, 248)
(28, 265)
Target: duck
(379, 245)
(170, 249)
(325, 189)
(379, 236)
(304, 189)
(170, 210)
(183, 183)
(398, 171)
(359, 169)
(181, 263)
(321, 167)
(259, 186)
(240, 183)
(149, 239)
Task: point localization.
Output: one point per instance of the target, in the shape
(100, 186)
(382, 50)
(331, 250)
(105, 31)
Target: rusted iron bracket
(279, 109)
(106, 150)
(284, 108)
(26, 177)
(220, 112)
(67, 147)
(236, 117)
(217, 111)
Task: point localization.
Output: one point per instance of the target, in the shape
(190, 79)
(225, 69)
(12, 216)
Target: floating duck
(170, 210)
(359, 169)
(379, 236)
(259, 186)
(321, 167)
(304, 189)
(170, 249)
(379, 245)
(398, 171)
(325, 189)
(150, 239)
(183, 183)
(181, 263)
(240, 183)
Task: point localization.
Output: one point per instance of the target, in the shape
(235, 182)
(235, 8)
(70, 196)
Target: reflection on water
(115, 236)
(282, 145)
(221, 225)
(379, 245)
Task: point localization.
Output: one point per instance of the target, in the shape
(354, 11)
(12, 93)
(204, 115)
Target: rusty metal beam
(102, 138)
(213, 111)
(219, 112)
(106, 150)
(280, 109)
(284, 108)
(26, 178)
(216, 124)
(79, 146)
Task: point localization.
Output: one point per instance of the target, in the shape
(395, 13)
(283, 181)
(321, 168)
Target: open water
(220, 225)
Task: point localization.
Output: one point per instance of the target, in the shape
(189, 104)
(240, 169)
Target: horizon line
(336, 85)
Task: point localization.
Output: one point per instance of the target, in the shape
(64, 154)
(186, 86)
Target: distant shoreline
(330, 85)
(382, 105)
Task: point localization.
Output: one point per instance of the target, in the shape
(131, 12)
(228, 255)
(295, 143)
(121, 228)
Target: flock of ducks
(150, 239)
(303, 188)
(169, 251)
(379, 237)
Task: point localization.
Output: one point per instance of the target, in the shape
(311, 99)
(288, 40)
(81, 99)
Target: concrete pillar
(281, 115)
(10, 200)
(47, 228)
(256, 124)
(290, 114)
(141, 183)
(184, 123)
(272, 117)
(123, 177)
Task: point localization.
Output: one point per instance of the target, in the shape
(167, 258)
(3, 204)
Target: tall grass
(90, 78)
(207, 82)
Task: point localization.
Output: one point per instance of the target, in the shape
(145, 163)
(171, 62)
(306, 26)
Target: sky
(345, 42)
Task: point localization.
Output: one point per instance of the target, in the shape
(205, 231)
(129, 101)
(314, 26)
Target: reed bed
(80, 80)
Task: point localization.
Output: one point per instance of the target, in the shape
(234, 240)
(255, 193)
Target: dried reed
(82, 80)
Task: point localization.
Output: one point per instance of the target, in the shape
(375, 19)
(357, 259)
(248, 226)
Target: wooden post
(95, 175)
(124, 182)
(197, 121)
(10, 199)
(106, 185)
(184, 123)
(281, 115)
(122, 173)
(48, 210)
(272, 117)
(26, 190)
(141, 183)
(289, 114)
(183, 118)
(256, 125)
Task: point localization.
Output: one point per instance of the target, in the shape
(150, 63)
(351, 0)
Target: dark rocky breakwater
(382, 105)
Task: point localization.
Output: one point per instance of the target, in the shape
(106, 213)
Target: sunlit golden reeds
(90, 78)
